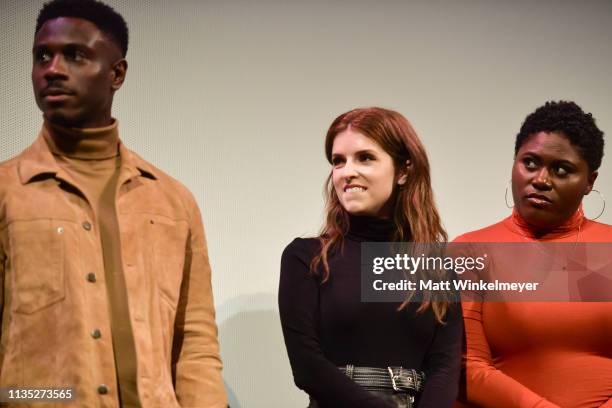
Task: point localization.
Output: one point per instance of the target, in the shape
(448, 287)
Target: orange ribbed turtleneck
(538, 354)
(570, 227)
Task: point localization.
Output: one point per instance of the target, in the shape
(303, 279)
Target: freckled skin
(548, 165)
(73, 56)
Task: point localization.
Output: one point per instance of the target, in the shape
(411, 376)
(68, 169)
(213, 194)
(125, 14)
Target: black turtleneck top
(326, 326)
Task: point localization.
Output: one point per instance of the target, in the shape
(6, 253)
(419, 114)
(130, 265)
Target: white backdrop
(233, 98)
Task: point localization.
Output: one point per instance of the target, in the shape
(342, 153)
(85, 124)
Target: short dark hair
(571, 121)
(102, 15)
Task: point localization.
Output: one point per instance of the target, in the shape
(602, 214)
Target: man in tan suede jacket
(106, 288)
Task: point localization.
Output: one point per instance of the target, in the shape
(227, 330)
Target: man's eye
(43, 56)
(75, 55)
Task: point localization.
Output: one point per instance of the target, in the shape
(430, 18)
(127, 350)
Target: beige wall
(233, 98)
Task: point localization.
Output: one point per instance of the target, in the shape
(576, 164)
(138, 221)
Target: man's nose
(56, 68)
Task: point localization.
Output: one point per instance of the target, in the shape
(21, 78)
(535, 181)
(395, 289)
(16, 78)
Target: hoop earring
(506, 196)
(603, 208)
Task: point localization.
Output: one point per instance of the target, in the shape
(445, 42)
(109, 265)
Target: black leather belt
(398, 379)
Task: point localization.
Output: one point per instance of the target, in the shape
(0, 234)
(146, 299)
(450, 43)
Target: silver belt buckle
(393, 378)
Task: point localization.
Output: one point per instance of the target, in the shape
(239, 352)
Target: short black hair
(571, 121)
(102, 15)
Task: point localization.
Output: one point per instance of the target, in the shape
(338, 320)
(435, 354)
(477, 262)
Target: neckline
(83, 144)
(572, 226)
(367, 228)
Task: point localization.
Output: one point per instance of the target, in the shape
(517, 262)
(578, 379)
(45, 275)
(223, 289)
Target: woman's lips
(538, 200)
(354, 188)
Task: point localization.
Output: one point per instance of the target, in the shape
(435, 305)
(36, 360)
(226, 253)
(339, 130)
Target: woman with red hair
(344, 352)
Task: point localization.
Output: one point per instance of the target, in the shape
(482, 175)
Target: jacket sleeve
(196, 364)
(2, 262)
(486, 385)
(443, 362)
(298, 298)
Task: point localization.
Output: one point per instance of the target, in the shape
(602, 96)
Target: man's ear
(118, 72)
(403, 173)
(591, 181)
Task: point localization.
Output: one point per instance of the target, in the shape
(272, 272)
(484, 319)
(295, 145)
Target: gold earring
(506, 196)
(603, 207)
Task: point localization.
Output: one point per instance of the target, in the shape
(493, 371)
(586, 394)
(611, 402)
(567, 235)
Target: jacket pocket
(170, 240)
(37, 258)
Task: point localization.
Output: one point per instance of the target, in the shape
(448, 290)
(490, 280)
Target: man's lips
(53, 94)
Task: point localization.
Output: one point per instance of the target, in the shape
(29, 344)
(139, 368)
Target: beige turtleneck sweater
(91, 158)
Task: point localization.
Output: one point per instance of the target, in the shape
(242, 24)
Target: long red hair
(414, 211)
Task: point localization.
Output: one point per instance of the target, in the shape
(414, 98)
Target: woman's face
(549, 179)
(363, 175)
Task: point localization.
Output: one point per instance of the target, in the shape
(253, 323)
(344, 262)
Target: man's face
(75, 71)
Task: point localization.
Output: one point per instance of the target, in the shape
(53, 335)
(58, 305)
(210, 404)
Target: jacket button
(91, 277)
(86, 226)
(96, 334)
(102, 389)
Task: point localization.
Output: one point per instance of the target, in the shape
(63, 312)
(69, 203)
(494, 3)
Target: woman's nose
(541, 180)
(350, 170)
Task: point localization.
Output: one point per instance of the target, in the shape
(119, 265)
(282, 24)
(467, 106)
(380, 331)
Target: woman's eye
(561, 171)
(530, 164)
(336, 161)
(367, 157)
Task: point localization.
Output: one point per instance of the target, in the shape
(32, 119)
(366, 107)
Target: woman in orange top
(544, 355)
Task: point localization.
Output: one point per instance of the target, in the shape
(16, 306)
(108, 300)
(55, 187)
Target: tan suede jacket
(53, 297)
